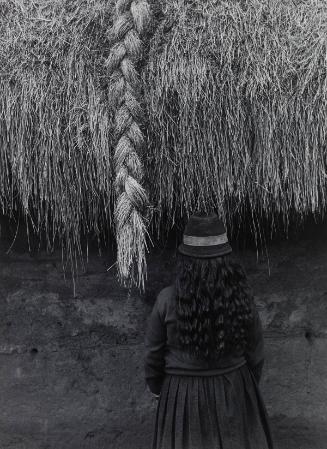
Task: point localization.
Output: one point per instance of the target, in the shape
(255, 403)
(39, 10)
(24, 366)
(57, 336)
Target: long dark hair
(213, 305)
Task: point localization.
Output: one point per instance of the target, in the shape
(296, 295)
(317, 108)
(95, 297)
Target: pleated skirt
(223, 411)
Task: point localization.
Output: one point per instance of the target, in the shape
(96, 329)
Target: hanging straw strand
(131, 21)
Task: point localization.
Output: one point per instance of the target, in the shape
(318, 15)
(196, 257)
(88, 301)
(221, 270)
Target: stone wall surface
(71, 368)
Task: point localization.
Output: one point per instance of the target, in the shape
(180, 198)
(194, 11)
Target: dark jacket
(164, 354)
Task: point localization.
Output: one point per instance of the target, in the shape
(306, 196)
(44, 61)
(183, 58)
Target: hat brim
(205, 251)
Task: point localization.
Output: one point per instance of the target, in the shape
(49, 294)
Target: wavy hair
(213, 305)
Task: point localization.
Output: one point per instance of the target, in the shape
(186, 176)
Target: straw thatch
(237, 109)
(132, 20)
(55, 126)
(233, 98)
(63, 120)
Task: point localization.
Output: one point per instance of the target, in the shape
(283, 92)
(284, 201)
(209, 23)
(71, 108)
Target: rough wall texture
(71, 369)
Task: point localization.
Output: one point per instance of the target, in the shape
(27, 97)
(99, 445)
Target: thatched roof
(234, 95)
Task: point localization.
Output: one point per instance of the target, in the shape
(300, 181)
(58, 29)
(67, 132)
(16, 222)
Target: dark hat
(205, 236)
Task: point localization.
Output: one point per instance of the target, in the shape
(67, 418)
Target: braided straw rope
(131, 21)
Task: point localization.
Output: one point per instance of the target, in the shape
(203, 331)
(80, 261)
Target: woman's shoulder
(166, 293)
(164, 298)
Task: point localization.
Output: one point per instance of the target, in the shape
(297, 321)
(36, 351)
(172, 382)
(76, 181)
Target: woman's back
(204, 350)
(178, 360)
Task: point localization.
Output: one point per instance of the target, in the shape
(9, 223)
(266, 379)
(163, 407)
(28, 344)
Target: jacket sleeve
(155, 345)
(255, 351)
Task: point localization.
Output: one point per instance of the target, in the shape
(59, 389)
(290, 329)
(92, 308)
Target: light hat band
(210, 240)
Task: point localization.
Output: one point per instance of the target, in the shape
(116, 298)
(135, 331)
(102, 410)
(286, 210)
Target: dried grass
(237, 112)
(55, 120)
(236, 95)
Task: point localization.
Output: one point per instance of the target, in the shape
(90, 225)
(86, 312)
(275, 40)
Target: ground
(71, 368)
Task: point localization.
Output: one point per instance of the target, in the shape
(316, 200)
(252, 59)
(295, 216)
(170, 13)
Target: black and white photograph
(163, 226)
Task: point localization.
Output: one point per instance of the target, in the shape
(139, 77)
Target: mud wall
(71, 368)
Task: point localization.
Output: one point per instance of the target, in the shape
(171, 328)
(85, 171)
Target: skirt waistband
(203, 372)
